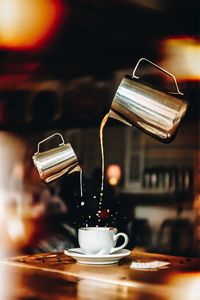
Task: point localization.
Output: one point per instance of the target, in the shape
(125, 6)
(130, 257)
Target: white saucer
(97, 260)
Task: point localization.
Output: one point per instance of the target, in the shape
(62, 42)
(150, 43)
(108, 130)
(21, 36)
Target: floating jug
(55, 162)
(157, 113)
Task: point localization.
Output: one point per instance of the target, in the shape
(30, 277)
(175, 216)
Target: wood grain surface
(57, 276)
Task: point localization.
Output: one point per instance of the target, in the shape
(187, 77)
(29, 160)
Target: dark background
(67, 85)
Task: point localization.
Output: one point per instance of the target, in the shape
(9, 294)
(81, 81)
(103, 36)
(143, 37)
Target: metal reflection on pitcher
(56, 162)
(156, 112)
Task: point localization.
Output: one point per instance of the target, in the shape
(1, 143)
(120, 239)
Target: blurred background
(61, 62)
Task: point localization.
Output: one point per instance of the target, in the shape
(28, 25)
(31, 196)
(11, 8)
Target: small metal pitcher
(55, 162)
(156, 112)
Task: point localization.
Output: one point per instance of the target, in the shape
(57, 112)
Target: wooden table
(57, 276)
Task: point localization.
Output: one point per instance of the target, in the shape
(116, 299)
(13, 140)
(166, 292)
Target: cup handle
(113, 250)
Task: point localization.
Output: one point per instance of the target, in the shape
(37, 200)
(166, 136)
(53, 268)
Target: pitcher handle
(163, 70)
(49, 138)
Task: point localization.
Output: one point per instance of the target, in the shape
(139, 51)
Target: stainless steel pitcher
(156, 112)
(55, 162)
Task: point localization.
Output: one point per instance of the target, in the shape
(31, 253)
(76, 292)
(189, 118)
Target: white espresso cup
(100, 240)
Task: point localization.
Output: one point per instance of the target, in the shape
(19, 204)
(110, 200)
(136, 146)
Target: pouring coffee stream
(103, 123)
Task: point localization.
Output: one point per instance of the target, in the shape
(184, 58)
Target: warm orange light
(28, 23)
(113, 174)
(16, 229)
(185, 286)
(182, 57)
(113, 181)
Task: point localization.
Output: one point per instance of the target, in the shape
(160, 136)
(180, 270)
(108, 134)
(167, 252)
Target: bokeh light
(186, 286)
(113, 174)
(182, 57)
(28, 24)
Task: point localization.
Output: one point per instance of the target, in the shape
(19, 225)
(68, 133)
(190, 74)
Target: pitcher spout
(115, 116)
(74, 168)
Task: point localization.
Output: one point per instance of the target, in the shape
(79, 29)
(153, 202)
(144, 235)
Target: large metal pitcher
(156, 112)
(54, 163)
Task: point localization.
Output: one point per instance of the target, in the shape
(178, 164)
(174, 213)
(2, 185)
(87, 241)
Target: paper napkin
(149, 265)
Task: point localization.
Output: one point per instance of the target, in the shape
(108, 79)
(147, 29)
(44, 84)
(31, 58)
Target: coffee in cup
(100, 240)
